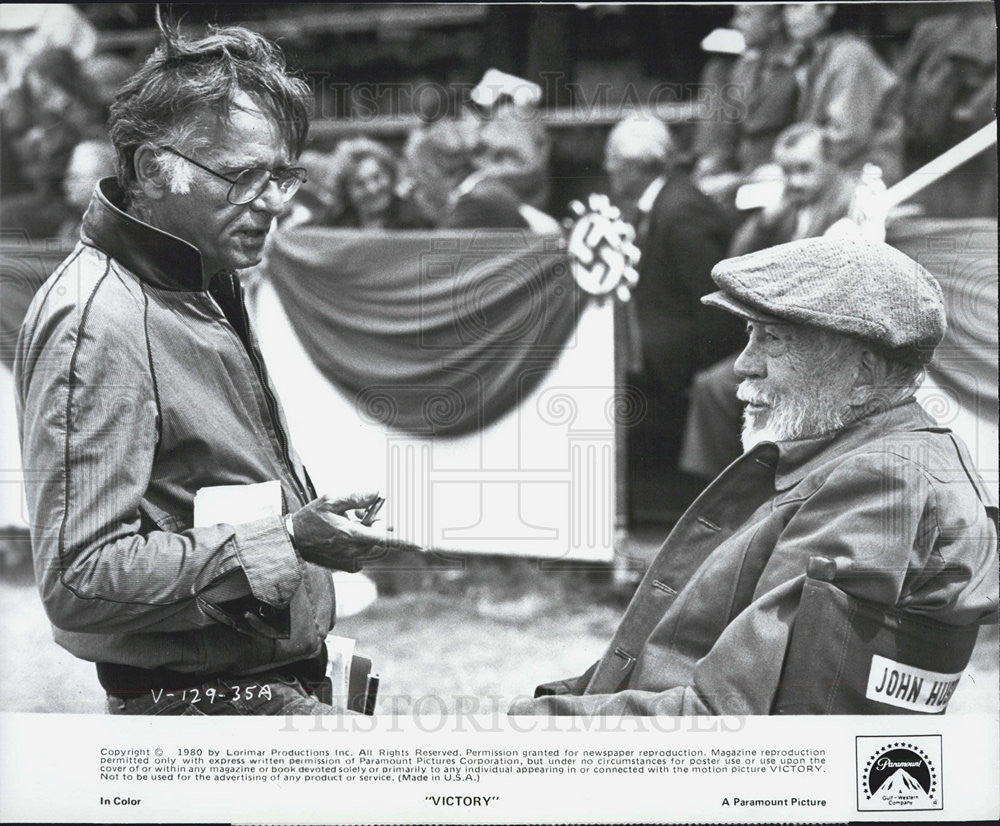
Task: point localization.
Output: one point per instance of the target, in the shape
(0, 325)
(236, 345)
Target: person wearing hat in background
(514, 145)
(840, 462)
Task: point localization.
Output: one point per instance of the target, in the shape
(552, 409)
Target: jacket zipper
(256, 361)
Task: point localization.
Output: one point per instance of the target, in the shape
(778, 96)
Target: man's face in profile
(792, 387)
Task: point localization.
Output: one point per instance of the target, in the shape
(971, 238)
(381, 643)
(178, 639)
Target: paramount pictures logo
(899, 773)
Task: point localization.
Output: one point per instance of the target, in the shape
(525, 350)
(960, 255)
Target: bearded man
(140, 382)
(841, 465)
(817, 193)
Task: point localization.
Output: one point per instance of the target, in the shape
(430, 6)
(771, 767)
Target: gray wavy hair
(183, 78)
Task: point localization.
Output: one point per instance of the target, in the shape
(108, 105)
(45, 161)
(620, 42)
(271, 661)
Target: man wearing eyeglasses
(140, 382)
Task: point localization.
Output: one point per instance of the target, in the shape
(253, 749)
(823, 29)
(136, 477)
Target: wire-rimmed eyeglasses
(250, 183)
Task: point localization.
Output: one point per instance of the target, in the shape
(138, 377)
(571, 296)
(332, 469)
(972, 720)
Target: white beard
(752, 436)
(811, 411)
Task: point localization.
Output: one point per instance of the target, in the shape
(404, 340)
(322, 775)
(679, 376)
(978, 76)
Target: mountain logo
(899, 774)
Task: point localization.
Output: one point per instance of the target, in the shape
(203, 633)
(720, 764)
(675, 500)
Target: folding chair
(851, 656)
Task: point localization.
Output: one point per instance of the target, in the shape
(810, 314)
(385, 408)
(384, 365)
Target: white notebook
(236, 504)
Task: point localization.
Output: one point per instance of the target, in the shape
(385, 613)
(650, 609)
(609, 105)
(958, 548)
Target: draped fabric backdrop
(438, 334)
(536, 476)
(430, 332)
(431, 309)
(961, 386)
(962, 254)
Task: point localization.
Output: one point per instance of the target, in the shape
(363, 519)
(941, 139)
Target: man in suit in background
(682, 234)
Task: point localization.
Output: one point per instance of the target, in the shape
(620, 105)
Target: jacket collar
(162, 259)
(797, 459)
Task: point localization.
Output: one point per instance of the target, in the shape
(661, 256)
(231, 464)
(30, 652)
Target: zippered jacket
(892, 499)
(139, 381)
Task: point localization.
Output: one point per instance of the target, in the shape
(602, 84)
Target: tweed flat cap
(859, 288)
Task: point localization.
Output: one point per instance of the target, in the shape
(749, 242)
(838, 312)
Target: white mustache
(748, 394)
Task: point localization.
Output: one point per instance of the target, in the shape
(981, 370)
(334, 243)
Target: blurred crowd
(820, 126)
(485, 169)
(805, 111)
(793, 70)
(793, 101)
(54, 97)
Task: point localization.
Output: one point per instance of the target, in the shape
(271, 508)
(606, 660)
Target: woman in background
(363, 178)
